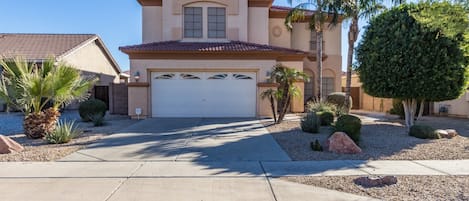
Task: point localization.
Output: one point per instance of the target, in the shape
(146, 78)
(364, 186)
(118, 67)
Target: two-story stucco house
(212, 58)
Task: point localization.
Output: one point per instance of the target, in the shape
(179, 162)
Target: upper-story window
(313, 42)
(205, 22)
(216, 22)
(193, 27)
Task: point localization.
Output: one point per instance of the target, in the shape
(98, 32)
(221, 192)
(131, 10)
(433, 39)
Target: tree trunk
(410, 106)
(422, 106)
(284, 103)
(37, 125)
(272, 105)
(352, 37)
(319, 36)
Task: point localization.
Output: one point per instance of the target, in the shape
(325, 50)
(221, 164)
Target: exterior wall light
(137, 76)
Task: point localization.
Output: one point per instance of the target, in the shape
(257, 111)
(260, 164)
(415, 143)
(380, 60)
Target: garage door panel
(214, 94)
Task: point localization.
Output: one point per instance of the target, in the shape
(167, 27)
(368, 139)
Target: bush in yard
(416, 53)
(338, 99)
(316, 146)
(97, 119)
(397, 108)
(423, 132)
(320, 106)
(63, 133)
(310, 123)
(326, 117)
(90, 108)
(349, 124)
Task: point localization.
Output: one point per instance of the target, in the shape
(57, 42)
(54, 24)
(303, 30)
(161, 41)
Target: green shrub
(326, 118)
(351, 125)
(423, 132)
(97, 119)
(316, 146)
(320, 106)
(310, 123)
(90, 108)
(397, 108)
(63, 133)
(338, 99)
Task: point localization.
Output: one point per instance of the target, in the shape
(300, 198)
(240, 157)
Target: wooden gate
(355, 94)
(102, 93)
(119, 99)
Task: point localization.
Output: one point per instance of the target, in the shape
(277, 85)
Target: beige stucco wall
(333, 40)
(279, 35)
(152, 24)
(92, 59)
(145, 66)
(258, 25)
(172, 19)
(458, 107)
(332, 67)
(300, 36)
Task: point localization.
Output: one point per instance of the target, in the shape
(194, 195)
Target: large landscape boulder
(340, 143)
(7, 145)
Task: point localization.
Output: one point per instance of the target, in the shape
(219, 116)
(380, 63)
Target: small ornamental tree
(402, 56)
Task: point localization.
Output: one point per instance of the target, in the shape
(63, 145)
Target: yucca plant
(63, 133)
(40, 91)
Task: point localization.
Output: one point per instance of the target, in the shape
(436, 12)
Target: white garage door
(203, 94)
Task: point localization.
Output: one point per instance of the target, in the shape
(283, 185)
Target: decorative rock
(451, 133)
(442, 133)
(370, 181)
(7, 145)
(340, 143)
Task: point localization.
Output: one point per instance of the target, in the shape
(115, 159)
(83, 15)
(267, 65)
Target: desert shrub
(351, 125)
(63, 133)
(316, 146)
(310, 123)
(326, 118)
(423, 132)
(320, 106)
(90, 108)
(397, 108)
(338, 99)
(97, 119)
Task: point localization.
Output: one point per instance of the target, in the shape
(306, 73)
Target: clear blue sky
(117, 22)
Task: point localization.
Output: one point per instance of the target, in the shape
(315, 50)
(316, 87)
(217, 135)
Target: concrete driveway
(170, 160)
(186, 139)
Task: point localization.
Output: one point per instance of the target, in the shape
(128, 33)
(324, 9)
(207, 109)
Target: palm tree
(40, 91)
(271, 94)
(285, 77)
(355, 10)
(326, 11)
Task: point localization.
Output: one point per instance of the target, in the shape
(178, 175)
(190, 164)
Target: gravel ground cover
(40, 150)
(433, 188)
(380, 140)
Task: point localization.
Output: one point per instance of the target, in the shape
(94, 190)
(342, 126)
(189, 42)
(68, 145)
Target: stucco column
(297, 103)
(138, 98)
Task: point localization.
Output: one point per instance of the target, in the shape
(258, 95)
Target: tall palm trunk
(352, 37)
(319, 36)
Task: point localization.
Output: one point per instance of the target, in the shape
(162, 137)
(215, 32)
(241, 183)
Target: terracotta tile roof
(212, 47)
(40, 46)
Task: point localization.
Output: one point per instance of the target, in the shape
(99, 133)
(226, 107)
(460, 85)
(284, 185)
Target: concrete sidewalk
(244, 180)
(168, 181)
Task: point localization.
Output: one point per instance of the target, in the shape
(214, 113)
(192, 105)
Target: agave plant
(40, 91)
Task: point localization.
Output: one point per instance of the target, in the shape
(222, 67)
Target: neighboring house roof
(38, 47)
(168, 49)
